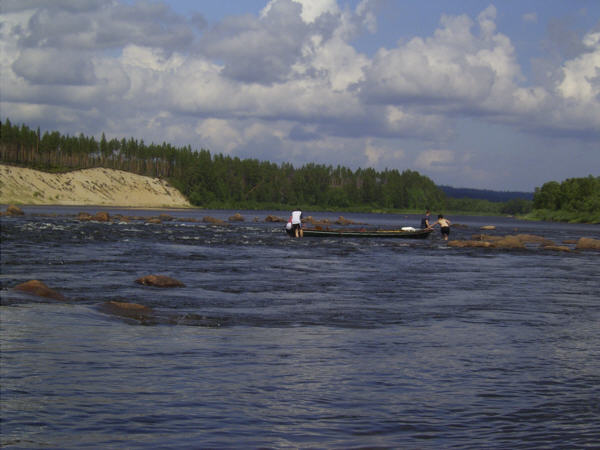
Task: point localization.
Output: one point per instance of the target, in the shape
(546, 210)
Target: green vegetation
(218, 181)
(573, 200)
(222, 182)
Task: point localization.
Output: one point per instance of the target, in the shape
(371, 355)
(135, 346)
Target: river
(296, 343)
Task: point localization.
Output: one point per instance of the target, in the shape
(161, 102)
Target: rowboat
(407, 233)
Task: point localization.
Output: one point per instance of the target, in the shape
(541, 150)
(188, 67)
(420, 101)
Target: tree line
(219, 181)
(575, 199)
(216, 180)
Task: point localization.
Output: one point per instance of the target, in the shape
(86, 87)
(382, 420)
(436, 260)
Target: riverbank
(99, 186)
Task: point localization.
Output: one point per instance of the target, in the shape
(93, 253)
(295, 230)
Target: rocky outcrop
(237, 217)
(162, 281)
(588, 244)
(39, 289)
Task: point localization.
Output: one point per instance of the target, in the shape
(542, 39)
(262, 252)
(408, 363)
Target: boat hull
(405, 234)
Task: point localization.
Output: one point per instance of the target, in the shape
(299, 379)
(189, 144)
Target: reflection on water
(296, 343)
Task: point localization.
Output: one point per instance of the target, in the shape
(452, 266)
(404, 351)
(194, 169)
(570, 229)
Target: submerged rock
(557, 248)
(159, 281)
(36, 287)
(470, 243)
(488, 227)
(129, 310)
(237, 217)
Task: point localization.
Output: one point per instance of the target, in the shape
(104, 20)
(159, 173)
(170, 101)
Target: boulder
(154, 220)
(159, 281)
(588, 244)
(13, 210)
(83, 216)
(166, 217)
(36, 287)
(237, 217)
(209, 219)
(101, 216)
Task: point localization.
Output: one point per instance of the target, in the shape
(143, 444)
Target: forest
(220, 181)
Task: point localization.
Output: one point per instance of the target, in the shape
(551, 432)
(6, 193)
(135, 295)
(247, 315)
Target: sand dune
(99, 186)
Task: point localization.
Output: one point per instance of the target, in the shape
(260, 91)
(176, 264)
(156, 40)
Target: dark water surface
(283, 343)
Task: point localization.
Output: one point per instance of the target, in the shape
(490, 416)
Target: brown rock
(13, 210)
(154, 220)
(274, 219)
(472, 243)
(533, 239)
(36, 287)
(485, 237)
(343, 221)
(588, 244)
(129, 310)
(166, 217)
(101, 216)
(209, 219)
(488, 227)
(159, 281)
(83, 216)
(237, 217)
(557, 248)
(509, 242)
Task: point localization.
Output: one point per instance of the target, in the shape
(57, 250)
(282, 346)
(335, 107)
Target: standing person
(297, 223)
(425, 220)
(444, 226)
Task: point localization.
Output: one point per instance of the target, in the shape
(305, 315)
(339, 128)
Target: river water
(281, 343)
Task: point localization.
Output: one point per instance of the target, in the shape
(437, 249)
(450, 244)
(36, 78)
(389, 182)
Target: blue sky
(485, 94)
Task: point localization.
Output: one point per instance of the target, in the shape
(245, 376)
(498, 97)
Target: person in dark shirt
(425, 220)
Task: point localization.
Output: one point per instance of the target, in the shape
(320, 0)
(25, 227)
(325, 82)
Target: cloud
(51, 66)
(435, 160)
(289, 84)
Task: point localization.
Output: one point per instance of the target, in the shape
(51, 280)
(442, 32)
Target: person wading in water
(444, 226)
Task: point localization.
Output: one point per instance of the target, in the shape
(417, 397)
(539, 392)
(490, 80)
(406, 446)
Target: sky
(501, 95)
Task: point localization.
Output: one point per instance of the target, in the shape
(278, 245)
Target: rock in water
(129, 310)
(13, 210)
(588, 244)
(159, 281)
(36, 287)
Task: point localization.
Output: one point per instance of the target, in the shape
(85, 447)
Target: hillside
(86, 187)
(485, 194)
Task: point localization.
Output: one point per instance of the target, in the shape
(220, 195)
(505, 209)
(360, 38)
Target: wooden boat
(407, 233)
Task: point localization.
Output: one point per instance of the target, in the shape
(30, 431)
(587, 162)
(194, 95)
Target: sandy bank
(86, 187)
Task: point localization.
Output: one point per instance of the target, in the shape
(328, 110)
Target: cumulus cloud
(288, 84)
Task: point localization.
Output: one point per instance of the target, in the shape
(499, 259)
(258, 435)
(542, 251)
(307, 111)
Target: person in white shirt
(297, 223)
